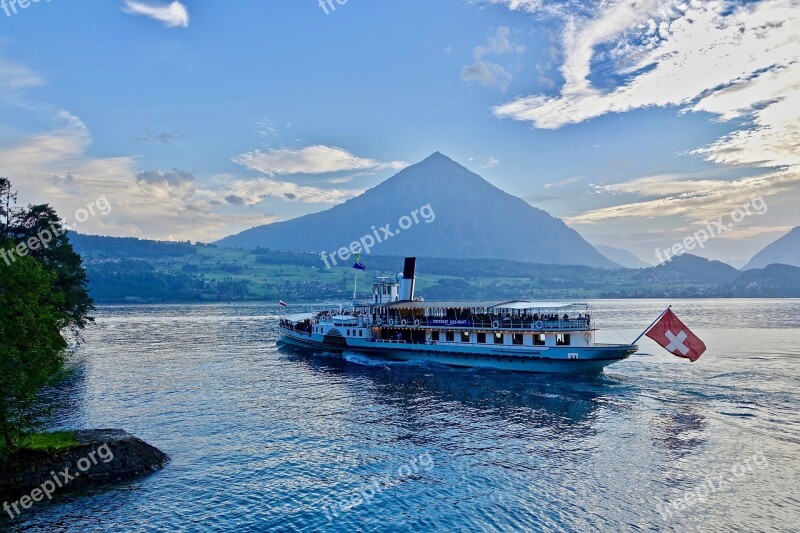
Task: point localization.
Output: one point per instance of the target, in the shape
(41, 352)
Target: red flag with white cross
(673, 335)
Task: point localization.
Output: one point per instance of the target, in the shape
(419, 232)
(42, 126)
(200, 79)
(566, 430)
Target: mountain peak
(435, 155)
(469, 218)
(437, 158)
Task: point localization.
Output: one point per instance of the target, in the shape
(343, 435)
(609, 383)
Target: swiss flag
(670, 333)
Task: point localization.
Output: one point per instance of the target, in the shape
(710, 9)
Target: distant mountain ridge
(621, 257)
(473, 219)
(697, 270)
(785, 250)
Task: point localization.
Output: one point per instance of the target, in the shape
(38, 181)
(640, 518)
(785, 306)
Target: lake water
(269, 439)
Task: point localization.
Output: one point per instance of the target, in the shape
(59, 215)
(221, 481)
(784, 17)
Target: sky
(638, 123)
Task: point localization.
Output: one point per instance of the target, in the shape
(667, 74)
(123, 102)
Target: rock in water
(100, 456)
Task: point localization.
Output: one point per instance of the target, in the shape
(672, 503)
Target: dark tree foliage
(40, 222)
(43, 294)
(7, 198)
(32, 349)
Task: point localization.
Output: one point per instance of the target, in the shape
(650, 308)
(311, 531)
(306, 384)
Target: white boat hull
(550, 360)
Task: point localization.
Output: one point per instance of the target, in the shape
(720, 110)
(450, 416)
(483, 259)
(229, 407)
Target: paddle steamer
(514, 335)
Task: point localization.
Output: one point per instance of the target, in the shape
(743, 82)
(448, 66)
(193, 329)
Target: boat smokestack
(408, 279)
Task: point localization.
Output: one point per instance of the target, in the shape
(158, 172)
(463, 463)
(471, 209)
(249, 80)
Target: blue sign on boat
(450, 322)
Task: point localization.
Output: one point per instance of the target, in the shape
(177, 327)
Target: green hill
(133, 270)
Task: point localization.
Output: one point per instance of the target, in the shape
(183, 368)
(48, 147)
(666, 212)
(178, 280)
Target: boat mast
(664, 312)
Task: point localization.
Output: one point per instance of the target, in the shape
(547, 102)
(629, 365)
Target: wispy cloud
(14, 76)
(694, 201)
(254, 191)
(318, 159)
(736, 60)
(487, 72)
(732, 61)
(561, 183)
(172, 15)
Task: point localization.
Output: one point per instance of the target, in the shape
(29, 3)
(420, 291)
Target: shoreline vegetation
(44, 305)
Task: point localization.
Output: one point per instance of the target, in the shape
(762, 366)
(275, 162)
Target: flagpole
(664, 312)
(355, 286)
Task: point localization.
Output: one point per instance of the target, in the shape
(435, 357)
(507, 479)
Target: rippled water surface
(271, 439)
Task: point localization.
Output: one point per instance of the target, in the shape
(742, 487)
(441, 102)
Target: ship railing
(305, 333)
(533, 325)
(389, 341)
(579, 324)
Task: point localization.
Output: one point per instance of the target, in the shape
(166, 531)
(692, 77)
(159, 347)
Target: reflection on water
(262, 437)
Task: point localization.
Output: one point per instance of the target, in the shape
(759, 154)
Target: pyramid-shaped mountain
(473, 219)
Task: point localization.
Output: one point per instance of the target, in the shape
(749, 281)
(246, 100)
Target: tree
(43, 224)
(42, 294)
(32, 349)
(7, 198)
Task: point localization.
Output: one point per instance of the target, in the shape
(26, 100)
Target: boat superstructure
(512, 335)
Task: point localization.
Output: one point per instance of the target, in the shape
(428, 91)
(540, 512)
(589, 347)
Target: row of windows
(355, 332)
(562, 339)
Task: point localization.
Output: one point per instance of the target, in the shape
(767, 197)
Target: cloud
(659, 185)
(316, 159)
(54, 164)
(773, 135)
(565, 181)
(61, 152)
(488, 73)
(490, 162)
(162, 185)
(164, 137)
(172, 15)
(264, 126)
(732, 61)
(735, 60)
(499, 43)
(15, 77)
(695, 201)
(252, 192)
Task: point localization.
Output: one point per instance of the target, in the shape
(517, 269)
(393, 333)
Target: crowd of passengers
(482, 318)
(303, 326)
(525, 318)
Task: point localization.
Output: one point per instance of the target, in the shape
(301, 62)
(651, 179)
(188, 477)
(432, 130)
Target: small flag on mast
(673, 335)
(282, 303)
(358, 265)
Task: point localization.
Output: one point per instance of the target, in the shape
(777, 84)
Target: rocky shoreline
(99, 456)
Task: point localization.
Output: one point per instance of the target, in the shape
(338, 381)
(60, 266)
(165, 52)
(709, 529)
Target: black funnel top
(409, 270)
